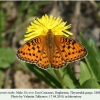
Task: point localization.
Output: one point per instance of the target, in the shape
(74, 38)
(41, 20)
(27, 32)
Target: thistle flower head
(40, 26)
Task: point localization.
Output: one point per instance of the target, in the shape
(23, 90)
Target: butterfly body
(50, 45)
(49, 39)
(56, 50)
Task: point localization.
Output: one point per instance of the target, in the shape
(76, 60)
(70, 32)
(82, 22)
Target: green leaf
(7, 57)
(69, 78)
(90, 83)
(95, 48)
(91, 60)
(46, 75)
(84, 73)
(50, 77)
(68, 81)
(2, 24)
(2, 20)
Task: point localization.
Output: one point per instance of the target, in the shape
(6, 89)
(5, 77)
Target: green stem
(0, 78)
(60, 78)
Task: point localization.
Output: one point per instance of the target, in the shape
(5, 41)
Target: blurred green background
(15, 17)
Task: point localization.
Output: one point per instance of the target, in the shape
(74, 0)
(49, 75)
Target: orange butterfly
(57, 50)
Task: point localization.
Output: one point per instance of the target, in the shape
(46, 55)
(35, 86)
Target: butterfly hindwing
(57, 60)
(44, 61)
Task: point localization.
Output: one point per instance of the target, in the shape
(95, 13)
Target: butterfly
(50, 49)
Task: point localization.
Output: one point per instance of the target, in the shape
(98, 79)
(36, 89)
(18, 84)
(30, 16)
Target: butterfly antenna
(41, 23)
(56, 25)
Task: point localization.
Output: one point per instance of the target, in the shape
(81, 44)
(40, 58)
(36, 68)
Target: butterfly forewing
(32, 50)
(69, 49)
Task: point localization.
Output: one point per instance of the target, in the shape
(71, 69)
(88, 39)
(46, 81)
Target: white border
(50, 94)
